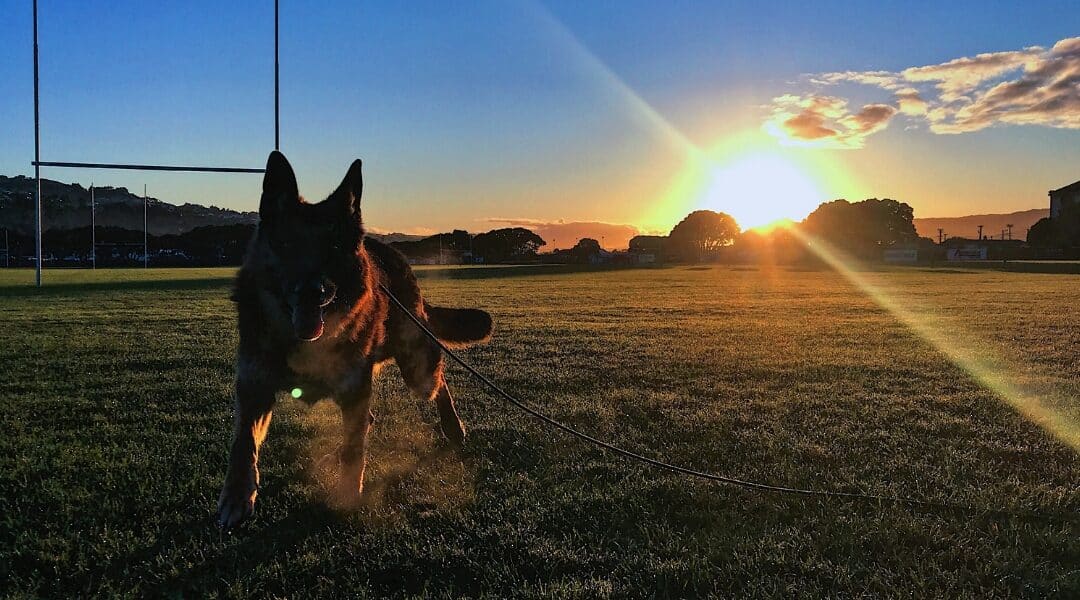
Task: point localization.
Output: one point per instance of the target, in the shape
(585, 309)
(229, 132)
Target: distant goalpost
(38, 163)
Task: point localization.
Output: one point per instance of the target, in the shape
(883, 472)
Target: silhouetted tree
(584, 249)
(1045, 234)
(1062, 231)
(460, 240)
(450, 244)
(701, 233)
(862, 228)
(511, 243)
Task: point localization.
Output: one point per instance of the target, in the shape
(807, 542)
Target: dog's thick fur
(313, 317)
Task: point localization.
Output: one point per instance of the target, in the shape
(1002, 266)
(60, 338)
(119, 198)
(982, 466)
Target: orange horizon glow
(760, 185)
(783, 223)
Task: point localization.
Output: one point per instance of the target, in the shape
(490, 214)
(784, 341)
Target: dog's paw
(235, 506)
(454, 431)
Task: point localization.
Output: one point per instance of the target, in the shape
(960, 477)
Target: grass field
(115, 415)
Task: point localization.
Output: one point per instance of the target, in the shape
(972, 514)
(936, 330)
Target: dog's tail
(459, 327)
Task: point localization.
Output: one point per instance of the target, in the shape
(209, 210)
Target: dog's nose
(315, 291)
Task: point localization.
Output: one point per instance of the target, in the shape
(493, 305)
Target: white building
(968, 252)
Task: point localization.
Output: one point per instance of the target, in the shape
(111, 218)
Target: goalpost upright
(38, 163)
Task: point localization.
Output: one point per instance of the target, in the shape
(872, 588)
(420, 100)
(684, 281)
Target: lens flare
(991, 372)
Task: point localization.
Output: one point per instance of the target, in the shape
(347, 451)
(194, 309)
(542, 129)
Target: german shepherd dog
(314, 319)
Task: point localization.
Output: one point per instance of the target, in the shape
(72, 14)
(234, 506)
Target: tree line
(859, 228)
(862, 229)
(1062, 231)
(225, 245)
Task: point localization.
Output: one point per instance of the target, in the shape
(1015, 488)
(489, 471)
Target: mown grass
(115, 412)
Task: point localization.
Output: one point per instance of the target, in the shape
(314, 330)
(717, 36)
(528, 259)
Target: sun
(750, 177)
(760, 189)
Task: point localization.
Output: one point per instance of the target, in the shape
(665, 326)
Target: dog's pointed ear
(348, 194)
(279, 185)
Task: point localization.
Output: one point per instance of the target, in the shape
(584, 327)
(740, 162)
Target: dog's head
(312, 248)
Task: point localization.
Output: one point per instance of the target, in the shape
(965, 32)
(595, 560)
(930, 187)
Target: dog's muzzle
(307, 311)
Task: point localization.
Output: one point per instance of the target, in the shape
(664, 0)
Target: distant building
(968, 252)
(1069, 194)
(647, 244)
(959, 249)
(646, 249)
(600, 258)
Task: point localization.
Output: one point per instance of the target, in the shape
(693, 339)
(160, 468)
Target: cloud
(564, 234)
(825, 121)
(872, 118)
(809, 125)
(882, 79)
(406, 231)
(1031, 86)
(1046, 93)
(910, 102)
(955, 78)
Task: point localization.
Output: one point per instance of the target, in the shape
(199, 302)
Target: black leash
(711, 476)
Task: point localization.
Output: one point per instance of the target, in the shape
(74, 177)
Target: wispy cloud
(1032, 86)
(882, 79)
(910, 102)
(825, 121)
(406, 231)
(959, 77)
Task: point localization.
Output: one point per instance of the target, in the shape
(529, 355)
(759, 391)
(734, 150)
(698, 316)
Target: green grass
(115, 415)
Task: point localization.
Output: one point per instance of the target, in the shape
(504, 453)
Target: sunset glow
(747, 176)
(761, 188)
(576, 131)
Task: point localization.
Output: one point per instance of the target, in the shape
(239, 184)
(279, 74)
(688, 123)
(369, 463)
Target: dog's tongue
(308, 322)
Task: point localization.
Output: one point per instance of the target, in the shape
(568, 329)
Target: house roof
(1069, 188)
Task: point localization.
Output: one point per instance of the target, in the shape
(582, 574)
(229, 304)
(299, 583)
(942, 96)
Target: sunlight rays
(991, 372)
(719, 178)
(590, 64)
(701, 174)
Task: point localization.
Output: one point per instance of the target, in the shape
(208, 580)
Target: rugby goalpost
(38, 163)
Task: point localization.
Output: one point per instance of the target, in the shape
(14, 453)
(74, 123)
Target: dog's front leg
(253, 404)
(356, 420)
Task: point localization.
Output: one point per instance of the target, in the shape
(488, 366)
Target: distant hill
(67, 206)
(968, 226)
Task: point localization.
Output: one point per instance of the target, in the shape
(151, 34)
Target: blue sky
(467, 112)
